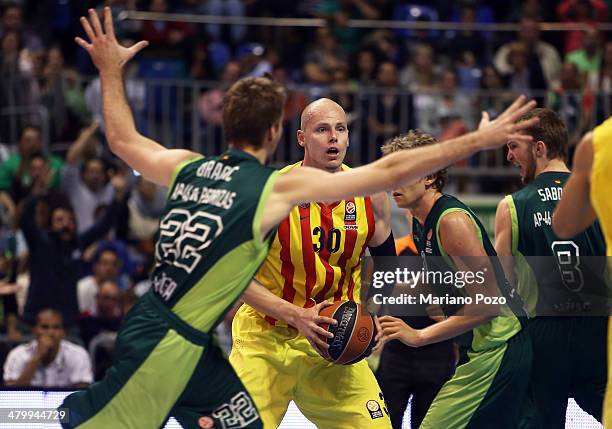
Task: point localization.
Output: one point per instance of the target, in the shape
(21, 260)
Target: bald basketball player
(315, 258)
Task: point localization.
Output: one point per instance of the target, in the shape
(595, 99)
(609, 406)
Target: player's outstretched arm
(460, 241)
(155, 162)
(574, 213)
(304, 184)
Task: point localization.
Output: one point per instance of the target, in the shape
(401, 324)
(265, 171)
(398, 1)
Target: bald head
(317, 108)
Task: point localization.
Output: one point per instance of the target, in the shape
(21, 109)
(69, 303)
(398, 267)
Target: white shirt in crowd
(71, 365)
(87, 290)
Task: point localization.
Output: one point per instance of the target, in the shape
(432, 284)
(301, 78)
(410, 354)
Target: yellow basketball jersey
(601, 179)
(317, 251)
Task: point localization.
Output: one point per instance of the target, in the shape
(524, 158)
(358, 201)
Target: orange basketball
(353, 335)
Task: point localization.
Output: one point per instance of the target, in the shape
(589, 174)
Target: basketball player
(585, 199)
(568, 348)
(315, 257)
(495, 353)
(214, 234)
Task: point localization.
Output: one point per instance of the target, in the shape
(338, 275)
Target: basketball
(353, 335)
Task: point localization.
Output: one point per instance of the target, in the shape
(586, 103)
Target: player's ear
(300, 137)
(540, 149)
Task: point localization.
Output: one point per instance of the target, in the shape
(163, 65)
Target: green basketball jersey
(427, 239)
(555, 276)
(209, 242)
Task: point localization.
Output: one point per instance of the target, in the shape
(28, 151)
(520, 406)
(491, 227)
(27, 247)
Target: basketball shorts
(278, 365)
(163, 368)
(569, 361)
(487, 389)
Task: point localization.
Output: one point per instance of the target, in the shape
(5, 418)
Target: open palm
(106, 53)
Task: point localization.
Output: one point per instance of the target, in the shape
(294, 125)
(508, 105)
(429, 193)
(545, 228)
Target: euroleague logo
(374, 409)
(363, 335)
(350, 212)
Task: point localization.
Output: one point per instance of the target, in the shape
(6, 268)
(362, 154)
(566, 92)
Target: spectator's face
(231, 72)
(522, 156)
(108, 300)
(449, 81)
(490, 79)
(30, 142)
(366, 62)
(423, 59)
(94, 175)
(590, 40)
(63, 224)
(569, 76)
(387, 74)
(107, 266)
(50, 325)
(325, 136)
(11, 20)
(38, 168)
(159, 6)
(325, 38)
(10, 44)
(529, 32)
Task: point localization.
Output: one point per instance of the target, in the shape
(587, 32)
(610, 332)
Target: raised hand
(505, 127)
(106, 53)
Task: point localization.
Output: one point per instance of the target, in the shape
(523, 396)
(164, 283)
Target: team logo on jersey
(350, 212)
(206, 423)
(374, 409)
(304, 205)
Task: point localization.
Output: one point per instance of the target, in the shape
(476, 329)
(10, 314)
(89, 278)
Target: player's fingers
(526, 124)
(323, 332)
(87, 27)
(139, 47)
(519, 101)
(386, 319)
(320, 344)
(520, 138)
(322, 319)
(82, 43)
(515, 116)
(95, 23)
(108, 23)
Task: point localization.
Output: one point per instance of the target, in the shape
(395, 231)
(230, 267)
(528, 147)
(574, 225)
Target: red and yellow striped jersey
(316, 253)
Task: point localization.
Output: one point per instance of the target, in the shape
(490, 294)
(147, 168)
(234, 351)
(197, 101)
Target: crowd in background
(78, 226)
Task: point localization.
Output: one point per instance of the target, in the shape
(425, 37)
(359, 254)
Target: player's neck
(260, 153)
(424, 205)
(554, 165)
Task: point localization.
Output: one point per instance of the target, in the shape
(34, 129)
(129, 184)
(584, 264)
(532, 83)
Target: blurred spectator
(224, 8)
(15, 172)
(544, 53)
(325, 53)
(86, 182)
(201, 66)
(459, 41)
(12, 21)
(55, 265)
(420, 74)
(580, 11)
(448, 112)
(605, 74)
(167, 39)
(135, 92)
(468, 72)
(49, 360)
(383, 42)
(571, 102)
(343, 90)
(340, 12)
(524, 74)
(588, 58)
(295, 101)
(210, 103)
(18, 86)
(392, 111)
(365, 66)
(493, 96)
(106, 268)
